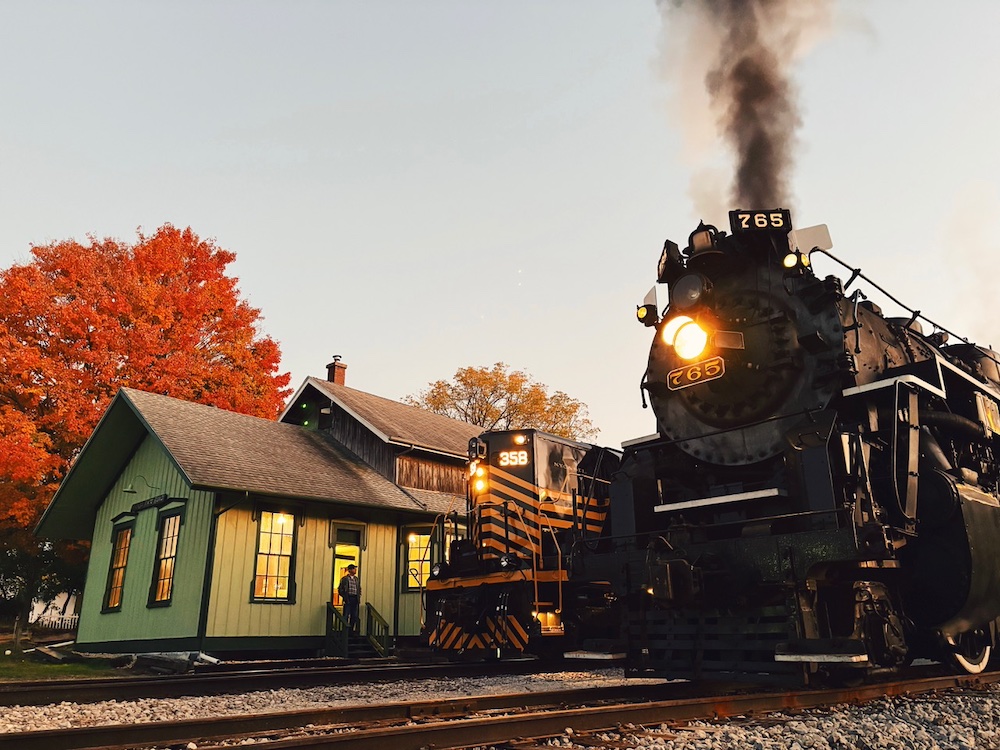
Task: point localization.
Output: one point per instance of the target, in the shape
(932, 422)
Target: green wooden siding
(410, 613)
(377, 570)
(230, 611)
(136, 621)
(231, 614)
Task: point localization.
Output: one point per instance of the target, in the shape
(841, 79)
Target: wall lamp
(130, 490)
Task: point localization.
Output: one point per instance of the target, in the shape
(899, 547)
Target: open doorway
(346, 551)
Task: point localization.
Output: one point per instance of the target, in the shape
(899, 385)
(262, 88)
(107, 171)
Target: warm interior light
(412, 538)
(690, 341)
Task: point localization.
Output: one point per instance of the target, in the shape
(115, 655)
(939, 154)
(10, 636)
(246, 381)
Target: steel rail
(90, 690)
(473, 732)
(343, 728)
(183, 731)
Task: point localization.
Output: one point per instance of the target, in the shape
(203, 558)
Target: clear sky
(421, 186)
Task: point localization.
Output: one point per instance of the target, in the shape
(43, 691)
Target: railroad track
(475, 721)
(42, 692)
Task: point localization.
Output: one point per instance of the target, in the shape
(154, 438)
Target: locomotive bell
(702, 240)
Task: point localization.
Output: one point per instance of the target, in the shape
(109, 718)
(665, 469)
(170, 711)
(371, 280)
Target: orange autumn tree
(79, 322)
(498, 398)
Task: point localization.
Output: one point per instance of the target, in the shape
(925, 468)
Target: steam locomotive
(513, 580)
(821, 495)
(820, 499)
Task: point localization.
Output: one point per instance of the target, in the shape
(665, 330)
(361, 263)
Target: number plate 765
(695, 373)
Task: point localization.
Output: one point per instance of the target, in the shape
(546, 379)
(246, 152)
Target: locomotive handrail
(857, 274)
(555, 541)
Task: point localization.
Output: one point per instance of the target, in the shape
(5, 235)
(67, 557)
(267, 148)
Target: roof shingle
(220, 449)
(402, 423)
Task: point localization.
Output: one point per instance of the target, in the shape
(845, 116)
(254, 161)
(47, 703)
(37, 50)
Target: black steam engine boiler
(821, 495)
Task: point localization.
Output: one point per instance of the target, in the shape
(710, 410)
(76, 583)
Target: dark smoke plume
(743, 50)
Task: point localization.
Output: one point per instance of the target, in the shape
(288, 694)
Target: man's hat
(352, 567)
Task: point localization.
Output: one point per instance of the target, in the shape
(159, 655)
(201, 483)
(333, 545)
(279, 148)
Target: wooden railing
(377, 630)
(336, 632)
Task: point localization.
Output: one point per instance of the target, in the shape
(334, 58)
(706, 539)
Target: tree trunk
(21, 622)
(31, 572)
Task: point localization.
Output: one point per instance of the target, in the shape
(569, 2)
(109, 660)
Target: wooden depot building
(219, 532)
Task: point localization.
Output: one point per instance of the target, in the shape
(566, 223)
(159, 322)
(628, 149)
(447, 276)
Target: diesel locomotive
(514, 580)
(821, 495)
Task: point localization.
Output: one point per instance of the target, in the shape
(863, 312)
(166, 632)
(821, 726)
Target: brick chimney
(335, 371)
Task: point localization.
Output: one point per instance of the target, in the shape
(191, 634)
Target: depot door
(346, 551)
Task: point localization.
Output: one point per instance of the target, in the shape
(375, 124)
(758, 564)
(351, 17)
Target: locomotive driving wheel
(972, 651)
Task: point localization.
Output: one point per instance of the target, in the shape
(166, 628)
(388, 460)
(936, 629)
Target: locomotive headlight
(509, 562)
(795, 258)
(646, 314)
(688, 291)
(690, 341)
(669, 332)
(687, 337)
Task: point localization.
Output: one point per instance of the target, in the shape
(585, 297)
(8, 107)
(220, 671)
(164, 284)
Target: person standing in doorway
(350, 592)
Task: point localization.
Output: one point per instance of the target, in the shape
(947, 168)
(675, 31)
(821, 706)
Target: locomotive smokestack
(740, 52)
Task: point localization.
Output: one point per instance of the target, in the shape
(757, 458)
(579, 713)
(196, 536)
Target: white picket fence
(55, 622)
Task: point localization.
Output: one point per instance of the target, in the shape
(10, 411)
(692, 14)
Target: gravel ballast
(964, 720)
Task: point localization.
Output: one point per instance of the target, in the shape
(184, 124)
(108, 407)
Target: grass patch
(22, 669)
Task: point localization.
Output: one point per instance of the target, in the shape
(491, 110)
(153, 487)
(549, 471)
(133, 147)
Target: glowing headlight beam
(669, 332)
(690, 341)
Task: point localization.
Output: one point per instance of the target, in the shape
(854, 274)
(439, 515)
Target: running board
(823, 651)
(594, 655)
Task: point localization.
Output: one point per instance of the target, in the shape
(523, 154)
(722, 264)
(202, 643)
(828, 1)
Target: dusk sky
(421, 186)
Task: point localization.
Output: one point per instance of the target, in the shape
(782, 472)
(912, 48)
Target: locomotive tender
(514, 579)
(821, 493)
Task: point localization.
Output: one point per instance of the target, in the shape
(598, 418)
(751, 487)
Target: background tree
(497, 398)
(79, 322)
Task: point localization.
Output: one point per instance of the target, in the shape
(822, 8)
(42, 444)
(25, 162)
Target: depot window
(162, 588)
(418, 558)
(121, 541)
(274, 570)
(422, 547)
